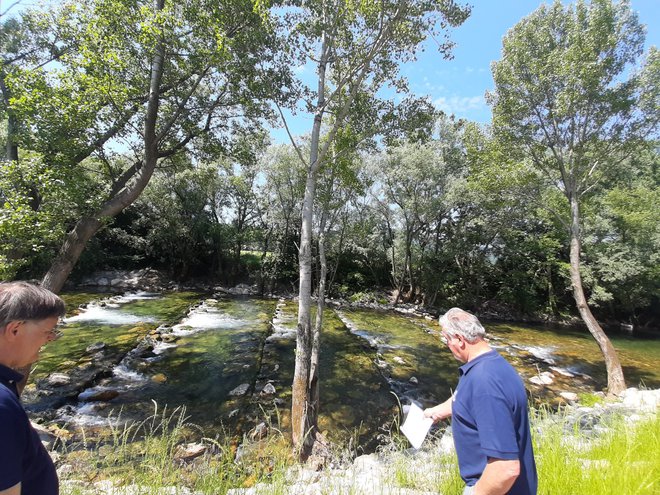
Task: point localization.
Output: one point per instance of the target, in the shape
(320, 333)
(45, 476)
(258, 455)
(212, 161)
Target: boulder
(545, 378)
(188, 452)
(47, 438)
(58, 379)
(569, 396)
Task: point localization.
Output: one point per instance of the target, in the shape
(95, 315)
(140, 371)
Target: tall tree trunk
(85, 228)
(303, 428)
(615, 380)
(301, 414)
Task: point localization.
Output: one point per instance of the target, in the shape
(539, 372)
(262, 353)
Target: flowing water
(229, 362)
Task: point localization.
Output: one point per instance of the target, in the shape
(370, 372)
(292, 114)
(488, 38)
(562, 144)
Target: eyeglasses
(58, 330)
(446, 337)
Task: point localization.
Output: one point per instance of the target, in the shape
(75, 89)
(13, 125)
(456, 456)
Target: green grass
(621, 460)
(589, 400)
(145, 454)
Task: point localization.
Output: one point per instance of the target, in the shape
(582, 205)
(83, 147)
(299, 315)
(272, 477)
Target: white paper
(416, 426)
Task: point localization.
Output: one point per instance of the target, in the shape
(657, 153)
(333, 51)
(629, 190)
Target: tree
(283, 186)
(413, 180)
(623, 242)
(179, 77)
(357, 48)
(565, 101)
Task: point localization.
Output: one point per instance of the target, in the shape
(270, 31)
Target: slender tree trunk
(301, 414)
(406, 269)
(12, 147)
(302, 425)
(314, 397)
(73, 246)
(86, 227)
(615, 380)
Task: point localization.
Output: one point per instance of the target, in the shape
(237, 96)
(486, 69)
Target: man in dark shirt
(28, 317)
(490, 421)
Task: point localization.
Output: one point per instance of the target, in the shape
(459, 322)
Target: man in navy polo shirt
(28, 316)
(490, 421)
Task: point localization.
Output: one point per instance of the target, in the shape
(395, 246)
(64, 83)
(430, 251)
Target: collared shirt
(490, 420)
(23, 458)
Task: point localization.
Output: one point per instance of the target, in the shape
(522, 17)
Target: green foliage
(35, 207)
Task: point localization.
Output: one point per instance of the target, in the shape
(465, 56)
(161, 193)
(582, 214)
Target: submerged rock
(98, 395)
(159, 378)
(240, 390)
(93, 348)
(269, 389)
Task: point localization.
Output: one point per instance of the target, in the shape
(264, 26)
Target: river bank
(614, 441)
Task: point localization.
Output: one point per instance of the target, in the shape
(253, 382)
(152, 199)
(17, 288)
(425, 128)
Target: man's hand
(439, 412)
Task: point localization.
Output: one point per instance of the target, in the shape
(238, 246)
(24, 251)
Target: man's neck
(477, 349)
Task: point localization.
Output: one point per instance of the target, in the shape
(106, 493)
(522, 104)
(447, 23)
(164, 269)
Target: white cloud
(460, 104)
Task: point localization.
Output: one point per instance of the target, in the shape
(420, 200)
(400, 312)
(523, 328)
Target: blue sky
(458, 86)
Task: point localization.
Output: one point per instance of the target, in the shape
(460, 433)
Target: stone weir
(267, 397)
(105, 371)
(89, 378)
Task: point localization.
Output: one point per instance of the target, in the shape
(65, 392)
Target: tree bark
(11, 151)
(301, 414)
(314, 397)
(615, 380)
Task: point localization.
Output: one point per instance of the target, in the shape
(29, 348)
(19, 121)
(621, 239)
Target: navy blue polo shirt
(23, 458)
(490, 420)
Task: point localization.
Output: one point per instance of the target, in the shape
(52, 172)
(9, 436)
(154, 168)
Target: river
(228, 363)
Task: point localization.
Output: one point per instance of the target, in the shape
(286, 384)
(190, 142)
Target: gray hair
(459, 322)
(24, 301)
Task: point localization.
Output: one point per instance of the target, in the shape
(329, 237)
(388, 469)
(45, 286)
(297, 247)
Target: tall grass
(147, 454)
(622, 459)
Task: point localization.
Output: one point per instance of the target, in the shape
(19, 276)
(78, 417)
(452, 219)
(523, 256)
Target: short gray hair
(24, 301)
(459, 322)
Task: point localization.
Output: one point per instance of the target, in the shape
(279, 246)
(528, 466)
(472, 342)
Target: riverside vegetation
(614, 454)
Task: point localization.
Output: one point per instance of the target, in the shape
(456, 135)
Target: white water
(109, 310)
(206, 318)
(545, 354)
(161, 347)
(123, 372)
(108, 316)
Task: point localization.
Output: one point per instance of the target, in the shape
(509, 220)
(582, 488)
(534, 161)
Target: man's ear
(11, 329)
